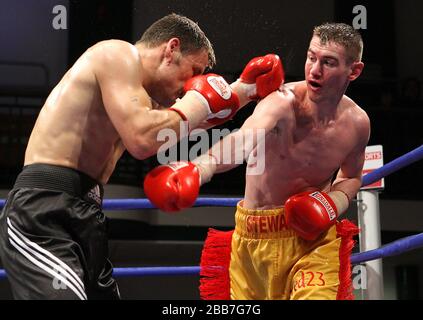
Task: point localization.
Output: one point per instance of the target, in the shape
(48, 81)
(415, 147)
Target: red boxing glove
(173, 187)
(310, 213)
(266, 73)
(214, 94)
(223, 102)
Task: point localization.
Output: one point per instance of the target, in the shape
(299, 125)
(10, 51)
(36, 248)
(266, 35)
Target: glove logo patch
(220, 86)
(319, 197)
(220, 115)
(177, 165)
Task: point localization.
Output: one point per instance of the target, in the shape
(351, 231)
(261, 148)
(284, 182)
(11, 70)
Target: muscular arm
(349, 175)
(127, 103)
(236, 147)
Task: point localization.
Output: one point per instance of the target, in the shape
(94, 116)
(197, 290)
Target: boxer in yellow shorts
(266, 260)
(304, 146)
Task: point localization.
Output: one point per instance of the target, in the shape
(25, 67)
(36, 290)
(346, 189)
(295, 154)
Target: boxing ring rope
(136, 204)
(370, 231)
(395, 248)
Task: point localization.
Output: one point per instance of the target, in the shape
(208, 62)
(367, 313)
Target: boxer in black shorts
(55, 236)
(116, 97)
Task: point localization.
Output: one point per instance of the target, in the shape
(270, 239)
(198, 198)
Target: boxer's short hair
(192, 38)
(344, 35)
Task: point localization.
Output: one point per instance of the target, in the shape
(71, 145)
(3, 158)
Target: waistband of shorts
(58, 178)
(261, 224)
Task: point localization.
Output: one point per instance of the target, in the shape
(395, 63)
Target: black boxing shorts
(53, 237)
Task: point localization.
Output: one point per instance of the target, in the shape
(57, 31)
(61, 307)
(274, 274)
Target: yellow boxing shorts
(263, 259)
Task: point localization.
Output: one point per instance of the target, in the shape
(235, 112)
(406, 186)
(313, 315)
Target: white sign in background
(373, 161)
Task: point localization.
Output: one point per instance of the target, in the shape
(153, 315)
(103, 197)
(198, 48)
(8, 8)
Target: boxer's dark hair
(344, 35)
(191, 37)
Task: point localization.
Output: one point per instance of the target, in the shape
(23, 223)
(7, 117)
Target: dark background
(34, 57)
(239, 31)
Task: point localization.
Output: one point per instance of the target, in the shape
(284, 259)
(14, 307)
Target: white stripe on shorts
(60, 271)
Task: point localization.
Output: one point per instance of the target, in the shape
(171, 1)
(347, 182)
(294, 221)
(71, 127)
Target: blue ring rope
(155, 271)
(136, 204)
(394, 248)
(393, 166)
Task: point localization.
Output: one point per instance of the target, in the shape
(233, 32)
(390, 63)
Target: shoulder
(299, 88)
(278, 102)
(287, 93)
(114, 59)
(357, 116)
(113, 45)
(114, 51)
(295, 86)
(281, 103)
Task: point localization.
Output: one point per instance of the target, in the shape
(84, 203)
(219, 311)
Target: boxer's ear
(172, 49)
(356, 69)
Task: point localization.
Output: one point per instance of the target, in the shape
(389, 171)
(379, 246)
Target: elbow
(139, 142)
(146, 142)
(140, 149)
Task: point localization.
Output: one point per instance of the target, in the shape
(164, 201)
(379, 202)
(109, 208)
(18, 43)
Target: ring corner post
(370, 238)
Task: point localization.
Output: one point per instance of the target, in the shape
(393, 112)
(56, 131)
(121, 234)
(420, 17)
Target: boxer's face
(327, 70)
(181, 68)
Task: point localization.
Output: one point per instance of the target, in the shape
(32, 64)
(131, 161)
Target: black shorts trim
(58, 178)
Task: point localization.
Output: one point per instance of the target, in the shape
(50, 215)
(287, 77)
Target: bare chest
(297, 159)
